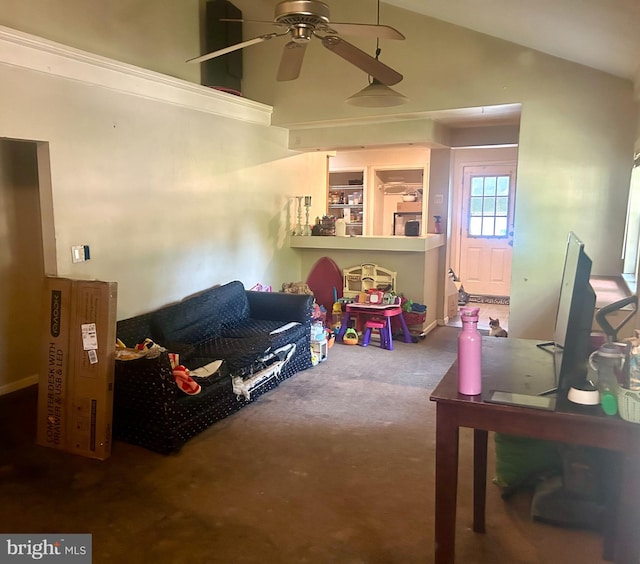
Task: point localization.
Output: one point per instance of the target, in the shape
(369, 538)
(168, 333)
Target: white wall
(170, 200)
(159, 36)
(171, 196)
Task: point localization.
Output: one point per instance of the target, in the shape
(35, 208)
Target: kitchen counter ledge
(370, 243)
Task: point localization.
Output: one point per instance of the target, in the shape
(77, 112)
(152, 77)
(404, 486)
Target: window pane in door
(475, 226)
(488, 226)
(503, 186)
(488, 206)
(477, 186)
(490, 186)
(501, 226)
(476, 206)
(502, 206)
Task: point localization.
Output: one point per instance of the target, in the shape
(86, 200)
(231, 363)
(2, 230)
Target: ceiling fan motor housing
(309, 13)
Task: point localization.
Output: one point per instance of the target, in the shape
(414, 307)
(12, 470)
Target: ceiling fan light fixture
(377, 95)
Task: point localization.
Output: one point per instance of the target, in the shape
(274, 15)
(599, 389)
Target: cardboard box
(453, 288)
(75, 399)
(410, 207)
(54, 363)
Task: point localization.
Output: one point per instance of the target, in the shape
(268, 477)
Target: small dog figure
(494, 328)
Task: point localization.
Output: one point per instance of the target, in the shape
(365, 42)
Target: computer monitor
(574, 318)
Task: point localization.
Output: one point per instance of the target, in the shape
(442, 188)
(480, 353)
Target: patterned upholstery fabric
(223, 323)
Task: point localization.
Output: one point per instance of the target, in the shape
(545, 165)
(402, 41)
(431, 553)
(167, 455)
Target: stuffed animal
(296, 288)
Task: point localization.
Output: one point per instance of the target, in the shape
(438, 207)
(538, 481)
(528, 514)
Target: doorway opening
(28, 253)
(482, 230)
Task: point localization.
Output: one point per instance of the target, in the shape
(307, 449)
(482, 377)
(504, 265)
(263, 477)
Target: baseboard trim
(430, 327)
(18, 384)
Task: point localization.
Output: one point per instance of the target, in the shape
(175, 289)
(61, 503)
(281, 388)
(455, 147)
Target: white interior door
(486, 229)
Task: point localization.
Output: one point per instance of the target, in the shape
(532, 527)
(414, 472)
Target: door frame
(462, 158)
(18, 374)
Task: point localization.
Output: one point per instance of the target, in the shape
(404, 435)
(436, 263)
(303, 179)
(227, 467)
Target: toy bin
(414, 320)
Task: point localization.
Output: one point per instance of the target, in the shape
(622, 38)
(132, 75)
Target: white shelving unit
(346, 198)
(391, 184)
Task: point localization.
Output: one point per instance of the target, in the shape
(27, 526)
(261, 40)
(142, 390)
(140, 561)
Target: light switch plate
(77, 253)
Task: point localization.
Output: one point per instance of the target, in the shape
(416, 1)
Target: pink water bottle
(469, 353)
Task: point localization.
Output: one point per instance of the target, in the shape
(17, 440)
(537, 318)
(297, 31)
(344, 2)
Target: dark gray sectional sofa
(242, 328)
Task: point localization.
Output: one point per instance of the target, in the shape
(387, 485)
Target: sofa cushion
(200, 317)
(240, 354)
(243, 345)
(280, 306)
(251, 328)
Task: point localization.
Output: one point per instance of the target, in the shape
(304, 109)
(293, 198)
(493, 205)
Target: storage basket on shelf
(629, 405)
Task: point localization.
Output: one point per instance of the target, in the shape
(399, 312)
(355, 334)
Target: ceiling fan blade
(231, 48)
(240, 20)
(360, 59)
(291, 60)
(365, 30)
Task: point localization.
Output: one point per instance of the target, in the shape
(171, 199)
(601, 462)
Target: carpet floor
(336, 465)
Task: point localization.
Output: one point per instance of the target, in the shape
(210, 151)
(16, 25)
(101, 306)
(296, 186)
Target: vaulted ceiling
(602, 34)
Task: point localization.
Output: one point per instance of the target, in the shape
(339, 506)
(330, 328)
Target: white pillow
(207, 370)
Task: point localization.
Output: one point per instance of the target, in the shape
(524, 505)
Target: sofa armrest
(145, 382)
(278, 306)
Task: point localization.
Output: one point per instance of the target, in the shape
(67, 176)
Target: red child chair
(383, 325)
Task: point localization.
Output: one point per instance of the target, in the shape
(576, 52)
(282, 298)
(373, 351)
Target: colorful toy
(350, 337)
(336, 317)
(317, 331)
(184, 381)
(331, 338)
(151, 348)
(375, 297)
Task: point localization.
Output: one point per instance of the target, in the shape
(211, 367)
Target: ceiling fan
(303, 19)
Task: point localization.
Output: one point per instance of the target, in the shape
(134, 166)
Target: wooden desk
(517, 365)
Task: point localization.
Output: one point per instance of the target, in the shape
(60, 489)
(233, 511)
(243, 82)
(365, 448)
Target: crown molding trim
(34, 53)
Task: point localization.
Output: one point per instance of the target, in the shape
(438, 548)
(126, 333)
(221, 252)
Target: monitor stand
(548, 346)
